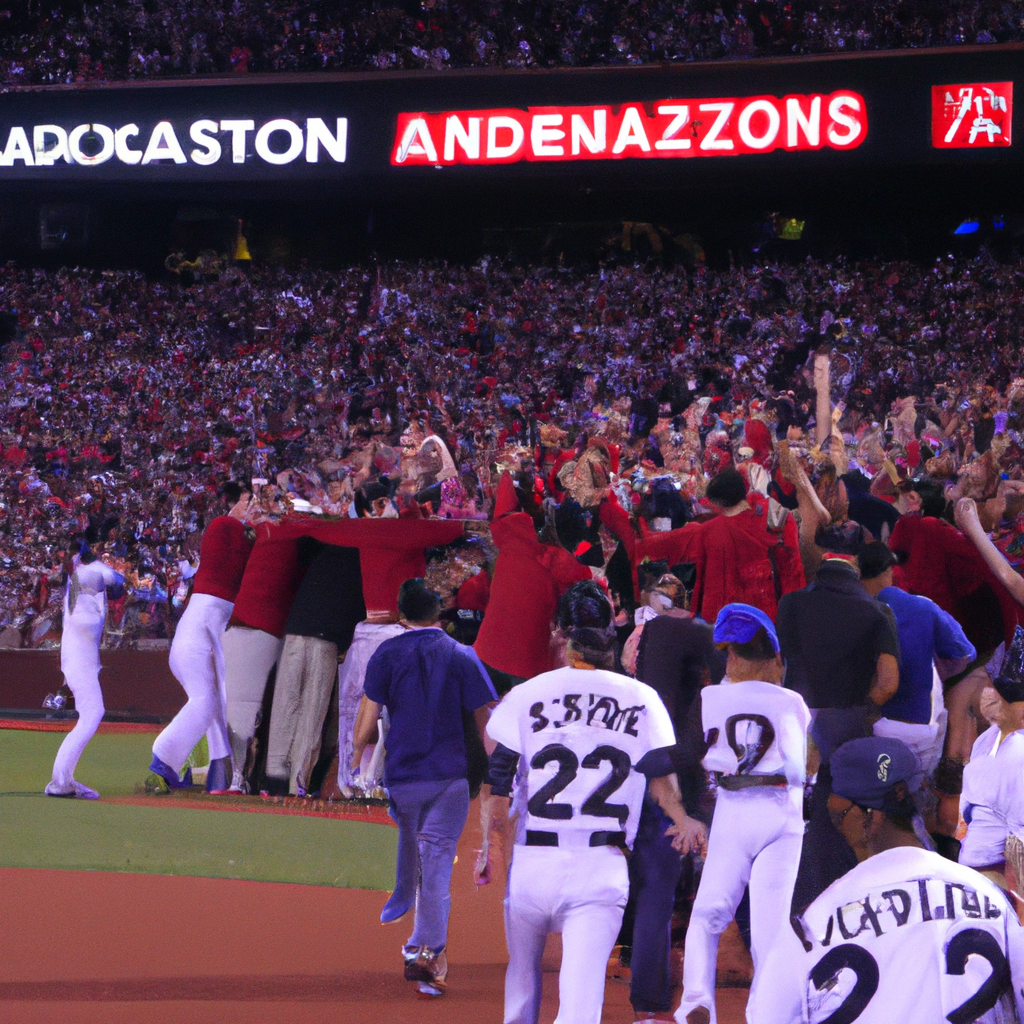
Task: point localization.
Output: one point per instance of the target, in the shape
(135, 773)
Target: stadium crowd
(325, 382)
(50, 42)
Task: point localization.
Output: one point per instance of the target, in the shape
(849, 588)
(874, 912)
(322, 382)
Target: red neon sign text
(664, 128)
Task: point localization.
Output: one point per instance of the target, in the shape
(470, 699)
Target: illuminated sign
(203, 142)
(978, 115)
(664, 128)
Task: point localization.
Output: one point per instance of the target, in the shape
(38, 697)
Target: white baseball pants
(580, 892)
(197, 662)
(249, 656)
(756, 836)
(80, 663)
(367, 638)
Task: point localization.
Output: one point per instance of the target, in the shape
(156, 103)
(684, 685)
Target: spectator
(928, 637)
(740, 556)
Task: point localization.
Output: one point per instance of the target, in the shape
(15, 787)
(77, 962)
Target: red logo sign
(974, 116)
(663, 128)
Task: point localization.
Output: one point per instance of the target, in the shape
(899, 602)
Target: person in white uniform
(579, 736)
(85, 612)
(907, 935)
(757, 736)
(992, 801)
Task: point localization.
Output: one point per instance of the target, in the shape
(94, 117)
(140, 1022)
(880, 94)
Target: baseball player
(757, 736)
(906, 935)
(85, 612)
(991, 803)
(197, 654)
(580, 736)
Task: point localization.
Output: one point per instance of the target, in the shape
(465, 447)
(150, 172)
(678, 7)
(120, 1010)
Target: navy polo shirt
(926, 632)
(426, 679)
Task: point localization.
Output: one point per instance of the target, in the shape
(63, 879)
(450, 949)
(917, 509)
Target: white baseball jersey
(992, 801)
(906, 936)
(755, 728)
(579, 734)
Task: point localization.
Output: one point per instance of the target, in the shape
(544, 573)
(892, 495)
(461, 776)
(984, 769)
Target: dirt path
(85, 947)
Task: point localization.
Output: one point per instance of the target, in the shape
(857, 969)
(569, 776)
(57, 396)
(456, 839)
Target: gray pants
(249, 657)
(305, 681)
(430, 818)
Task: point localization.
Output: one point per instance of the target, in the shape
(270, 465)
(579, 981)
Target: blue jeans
(430, 818)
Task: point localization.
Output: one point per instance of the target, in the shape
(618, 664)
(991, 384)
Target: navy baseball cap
(739, 623)
(865, 770)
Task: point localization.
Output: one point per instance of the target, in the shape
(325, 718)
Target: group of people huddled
(59, 42)
(132, 402)
(826, 609)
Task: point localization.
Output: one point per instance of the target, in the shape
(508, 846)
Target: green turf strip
(43, 832)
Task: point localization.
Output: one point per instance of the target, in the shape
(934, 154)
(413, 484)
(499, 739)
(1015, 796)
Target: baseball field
(185, 908)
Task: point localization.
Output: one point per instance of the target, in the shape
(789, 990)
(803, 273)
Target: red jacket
(943, 565)
(529, 581)
(734, 564)
(222, 559)
(673, 546)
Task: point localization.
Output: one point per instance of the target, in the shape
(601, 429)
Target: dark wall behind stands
(136, 684)
(895, 183)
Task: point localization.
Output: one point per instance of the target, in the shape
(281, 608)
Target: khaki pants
(305, 681)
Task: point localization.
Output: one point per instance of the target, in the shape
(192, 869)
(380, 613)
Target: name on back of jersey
(596, 710)
(888, 908)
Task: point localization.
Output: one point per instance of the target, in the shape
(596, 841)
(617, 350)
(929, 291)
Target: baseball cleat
(238, 784)
(169, 775)
(426, 965)
(77, 791)
(425, 991)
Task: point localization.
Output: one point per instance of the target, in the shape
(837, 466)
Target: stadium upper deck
(62, 42)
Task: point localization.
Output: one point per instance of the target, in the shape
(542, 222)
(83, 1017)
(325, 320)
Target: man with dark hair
(677, 657)
(568, 870)
(915, 714)
(842, 657)
(757, 738)
(425, 680)
(739, 556)
(891, 939)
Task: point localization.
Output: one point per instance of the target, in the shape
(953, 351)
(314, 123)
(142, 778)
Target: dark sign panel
(634, 124)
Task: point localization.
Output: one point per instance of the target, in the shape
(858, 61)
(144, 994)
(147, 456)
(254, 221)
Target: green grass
(40, 832)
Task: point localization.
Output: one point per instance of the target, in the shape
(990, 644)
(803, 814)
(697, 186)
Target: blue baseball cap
(864, 770)
(739, 623)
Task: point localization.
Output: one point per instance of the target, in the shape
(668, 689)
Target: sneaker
(76, 791)
(169, 775)
(426, 965)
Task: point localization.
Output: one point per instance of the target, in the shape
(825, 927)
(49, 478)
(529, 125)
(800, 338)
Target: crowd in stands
(130, 402)
(50, 42)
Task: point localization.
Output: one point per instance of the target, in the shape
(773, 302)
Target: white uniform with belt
(757, 734)
(992, 800)
(579, 734)
(905, 937)
(85, 612)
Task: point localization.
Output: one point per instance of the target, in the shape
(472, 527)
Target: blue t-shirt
(426, 679)
(926, 632)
